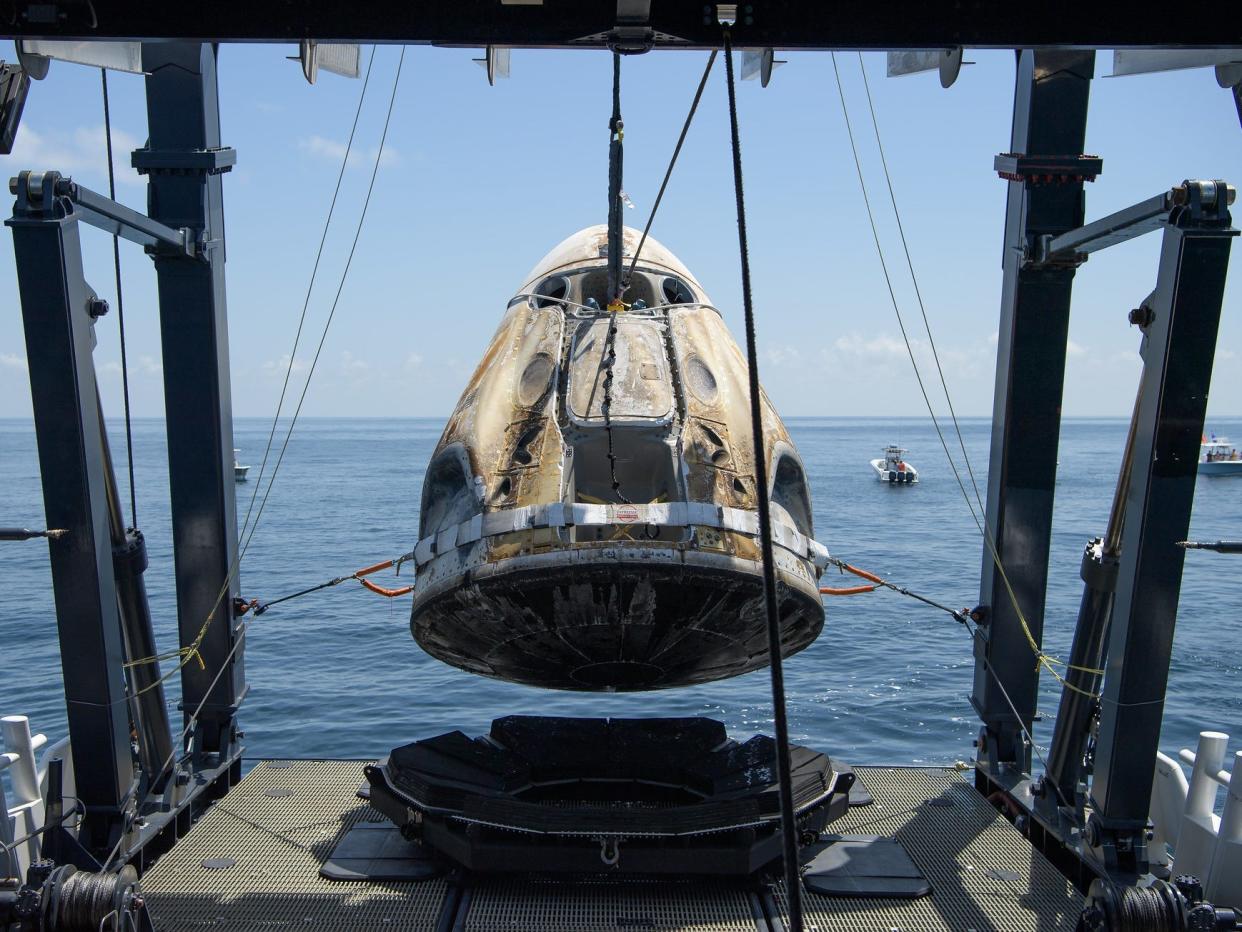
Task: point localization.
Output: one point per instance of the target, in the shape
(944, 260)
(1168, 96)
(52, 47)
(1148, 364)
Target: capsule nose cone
(613, 626)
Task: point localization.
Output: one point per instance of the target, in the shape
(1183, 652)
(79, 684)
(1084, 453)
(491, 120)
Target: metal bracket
(42, 194)
(1204, 203)
(1034, 170)
(632, 35)
(183, 161)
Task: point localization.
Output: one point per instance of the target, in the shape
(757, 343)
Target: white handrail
(24, 818)
(1210, 846)
(1222, 776)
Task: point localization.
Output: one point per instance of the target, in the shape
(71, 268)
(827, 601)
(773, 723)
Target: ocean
(336, 673)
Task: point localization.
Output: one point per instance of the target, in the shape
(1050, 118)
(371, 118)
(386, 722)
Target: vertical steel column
(57, 305)
(1180, 321)
(183, 160)
(1050, 116)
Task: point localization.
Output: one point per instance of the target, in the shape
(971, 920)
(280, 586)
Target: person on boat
(901, 465)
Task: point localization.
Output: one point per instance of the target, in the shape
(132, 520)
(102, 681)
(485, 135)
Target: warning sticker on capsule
(625, 514)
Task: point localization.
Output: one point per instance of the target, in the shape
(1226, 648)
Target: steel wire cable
(1043, 659)
(694, 106)
(120, 304)
(245, 626)
(366, 203)
(914, 279)
(789, 829)
(190, 652)
(323, 238)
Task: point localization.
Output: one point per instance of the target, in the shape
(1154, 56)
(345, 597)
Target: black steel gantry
(1089, 811)
(1045, 242)
(98, 557)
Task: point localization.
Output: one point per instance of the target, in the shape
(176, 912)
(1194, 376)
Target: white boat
(239, 471)
(1219, 457)
(892, 467)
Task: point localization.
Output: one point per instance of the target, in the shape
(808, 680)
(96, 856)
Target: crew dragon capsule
(589, 516)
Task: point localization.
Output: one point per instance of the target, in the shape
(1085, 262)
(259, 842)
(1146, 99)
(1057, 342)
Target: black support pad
(376, 851)
(863, 866)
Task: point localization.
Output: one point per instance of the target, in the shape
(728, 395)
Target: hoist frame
(184, 235)
(184, 160)
(1045, 243)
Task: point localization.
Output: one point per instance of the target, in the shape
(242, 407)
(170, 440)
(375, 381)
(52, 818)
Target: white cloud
(143, 365)
(352, 364)
(782, 355)
(413, 361)
(334, 151)
(1224, 354)
(281, 365)
(77, 152)
(13, 361)
(1075, 349)
(877, 347)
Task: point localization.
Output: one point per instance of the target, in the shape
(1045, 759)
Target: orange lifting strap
(853, 590)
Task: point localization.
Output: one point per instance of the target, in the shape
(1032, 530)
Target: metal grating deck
(985, 876)
(594, 906)
(279, 840)
(280, 824)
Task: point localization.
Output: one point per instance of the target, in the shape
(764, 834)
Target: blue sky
(477, 183)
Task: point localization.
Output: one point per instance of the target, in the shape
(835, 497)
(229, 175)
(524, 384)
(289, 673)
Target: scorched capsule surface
(589, 515)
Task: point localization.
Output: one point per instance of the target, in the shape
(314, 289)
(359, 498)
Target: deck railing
(1205, 845)
(24, 817)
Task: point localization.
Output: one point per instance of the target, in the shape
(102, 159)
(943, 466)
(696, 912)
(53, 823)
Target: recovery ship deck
(253, 862)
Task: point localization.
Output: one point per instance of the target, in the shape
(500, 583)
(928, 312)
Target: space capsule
(589, 518)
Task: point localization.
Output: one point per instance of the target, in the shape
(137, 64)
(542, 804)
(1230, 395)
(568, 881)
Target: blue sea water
(337, 674)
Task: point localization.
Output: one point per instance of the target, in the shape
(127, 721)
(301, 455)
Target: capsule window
(551, 291)
(677, 292)
(789, 490)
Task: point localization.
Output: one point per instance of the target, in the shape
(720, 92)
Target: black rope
(616, 134)
(698, 94)
(607, 361)
(789, 829)
(608, 355)
(120, 304)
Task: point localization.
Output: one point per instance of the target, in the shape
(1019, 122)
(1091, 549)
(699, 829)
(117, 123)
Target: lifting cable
(789, 828)
(1042, 659)
(914, 279)
(965, 617)
(877, 583)
(608, 354)
(310, 287)
(260, 608)
(694, 106)
(120, 304)
(191, 651)
(619, 284)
